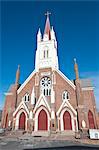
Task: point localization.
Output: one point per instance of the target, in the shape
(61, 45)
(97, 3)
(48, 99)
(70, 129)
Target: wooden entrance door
(22, 120)
(91, 120)
(67, 121)
(42, 121)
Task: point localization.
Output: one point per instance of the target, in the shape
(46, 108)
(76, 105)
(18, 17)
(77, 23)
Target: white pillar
(52, 96)
(31, 115)
(33, 97)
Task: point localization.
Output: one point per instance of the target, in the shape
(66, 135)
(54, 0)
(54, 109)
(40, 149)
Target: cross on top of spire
(47, 25)
(47, 13)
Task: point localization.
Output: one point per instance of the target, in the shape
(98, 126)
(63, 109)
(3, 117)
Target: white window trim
(21, 105)
(17, 119)
(26, 95)
(64, 92)
(36, 118)
(42, 88)
(72, 119)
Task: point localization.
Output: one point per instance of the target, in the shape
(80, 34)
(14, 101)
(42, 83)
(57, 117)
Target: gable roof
(66, 79)
(32, 74)
(25, 82)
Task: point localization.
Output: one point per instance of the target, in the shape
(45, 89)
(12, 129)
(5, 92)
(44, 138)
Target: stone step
(40, 133)
(68, 132)
(84, 134)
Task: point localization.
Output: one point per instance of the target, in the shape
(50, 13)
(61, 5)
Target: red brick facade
(82, 102)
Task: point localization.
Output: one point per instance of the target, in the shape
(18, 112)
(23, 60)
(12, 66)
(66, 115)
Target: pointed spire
(39, 36)
(39, 32)
(76, 69)
(52, 30)
(53, 34)
(47, 26)
(17, 75)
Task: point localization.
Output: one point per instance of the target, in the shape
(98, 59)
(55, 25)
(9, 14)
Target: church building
(47, 101)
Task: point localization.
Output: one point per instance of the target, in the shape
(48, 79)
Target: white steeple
(46, 53)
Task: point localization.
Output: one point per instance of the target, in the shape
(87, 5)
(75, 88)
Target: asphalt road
(67, 148)
(12, 144)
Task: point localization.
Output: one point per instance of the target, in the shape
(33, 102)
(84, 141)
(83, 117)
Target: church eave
(66, 79)
(26, 81)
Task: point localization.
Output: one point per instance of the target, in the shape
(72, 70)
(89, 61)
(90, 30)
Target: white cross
(47, 14)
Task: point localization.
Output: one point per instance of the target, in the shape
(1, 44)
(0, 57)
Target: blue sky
(77, 29)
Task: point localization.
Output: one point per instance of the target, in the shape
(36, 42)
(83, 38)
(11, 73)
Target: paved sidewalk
(28, 142)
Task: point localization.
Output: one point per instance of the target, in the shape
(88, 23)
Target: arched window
(91, 120)
(44, 91)
(65, 95)
(47, 92)
(45, 52)
(26, 97)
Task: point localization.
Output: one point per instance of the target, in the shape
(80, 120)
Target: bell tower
(46, 53)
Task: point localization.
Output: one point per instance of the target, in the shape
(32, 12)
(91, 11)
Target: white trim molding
(42, 102)
(36, 118)
(65, 78)
(17, 119)
(22, 105)
(64, 104)
(62, 121)
(26, 81)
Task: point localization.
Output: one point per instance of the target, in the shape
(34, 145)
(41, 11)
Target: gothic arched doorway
(67, 121)
(91, 120)
(22, 120)
(42, 120)
(6, 121)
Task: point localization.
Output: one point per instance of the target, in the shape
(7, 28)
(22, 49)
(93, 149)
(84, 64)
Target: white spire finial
(53, 34)
(39, 36)
(52, 29)
(39, 31)
(47, 13)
